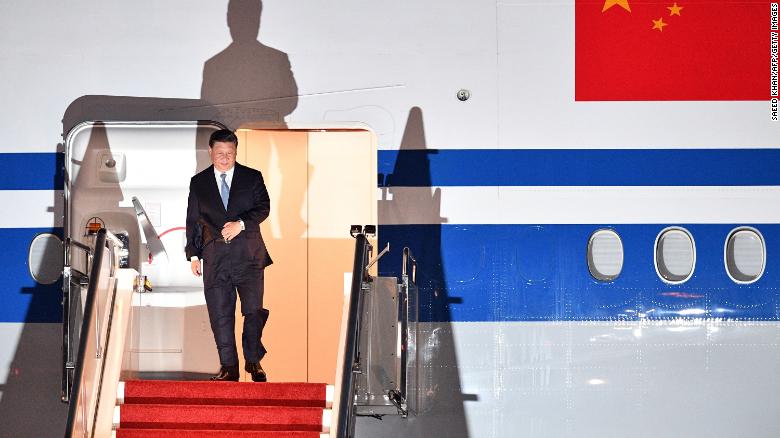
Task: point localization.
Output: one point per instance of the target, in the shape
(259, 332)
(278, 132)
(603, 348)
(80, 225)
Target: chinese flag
(666, 50)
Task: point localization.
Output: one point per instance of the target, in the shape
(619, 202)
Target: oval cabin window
(605, 255)
(745, 255)
(675, 255)
(45, 258)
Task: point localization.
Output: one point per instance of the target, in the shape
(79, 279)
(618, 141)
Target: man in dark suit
(226, 204)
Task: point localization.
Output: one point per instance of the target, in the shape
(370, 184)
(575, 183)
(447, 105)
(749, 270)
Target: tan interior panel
(320, 182)
(342, 187)
(281, 157)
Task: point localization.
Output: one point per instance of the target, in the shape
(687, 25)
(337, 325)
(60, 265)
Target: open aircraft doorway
(132, 178)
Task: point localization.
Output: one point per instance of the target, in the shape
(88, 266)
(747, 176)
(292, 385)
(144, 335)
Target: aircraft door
(320, 182)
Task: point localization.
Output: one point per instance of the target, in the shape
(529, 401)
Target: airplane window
(45, 258)
(605, 255)
(745, 255)
(675, 255)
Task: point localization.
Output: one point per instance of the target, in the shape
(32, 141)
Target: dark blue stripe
(579, 167)
(540, 273)
(32, 171)
(22, 298)
(492, 167)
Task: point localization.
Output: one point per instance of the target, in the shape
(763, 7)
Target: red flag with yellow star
(666, 50)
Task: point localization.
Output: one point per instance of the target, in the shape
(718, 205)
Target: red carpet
(152, 408)
(180, 433)
(225, 393)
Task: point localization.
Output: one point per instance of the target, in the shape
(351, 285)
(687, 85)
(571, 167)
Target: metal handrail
(104, 241)
(78, 244)
(89, 309)
(87, 254)
(408, 279)
(408, 260)
(351, 353)
(69, 273)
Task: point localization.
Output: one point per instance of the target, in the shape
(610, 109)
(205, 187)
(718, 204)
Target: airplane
(589, 190)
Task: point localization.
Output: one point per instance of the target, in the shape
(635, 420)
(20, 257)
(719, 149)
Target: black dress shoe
(227, 374)
(258, 374)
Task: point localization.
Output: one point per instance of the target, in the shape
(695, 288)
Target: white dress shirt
(228, 179)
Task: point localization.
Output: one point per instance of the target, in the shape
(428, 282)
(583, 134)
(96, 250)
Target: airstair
(376, 371)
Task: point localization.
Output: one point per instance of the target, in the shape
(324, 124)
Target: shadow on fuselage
(441, 400)
(30, 397)
(246, 83)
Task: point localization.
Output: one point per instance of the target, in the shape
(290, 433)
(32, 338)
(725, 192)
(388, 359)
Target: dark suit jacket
(206, 215)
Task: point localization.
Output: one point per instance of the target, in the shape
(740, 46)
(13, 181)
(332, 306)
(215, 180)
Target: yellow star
(674, 10)
(659, 24)
(622, 3)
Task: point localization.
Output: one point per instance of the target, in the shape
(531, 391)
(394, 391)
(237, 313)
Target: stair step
(225, 393)
(221, 417)
(189, 433)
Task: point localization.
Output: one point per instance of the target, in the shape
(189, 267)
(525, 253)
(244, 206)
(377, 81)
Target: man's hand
(231, 230)
(195, 266)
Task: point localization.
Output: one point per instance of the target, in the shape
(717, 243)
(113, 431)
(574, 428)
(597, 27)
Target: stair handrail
(84, 412)
(408, 267)
(69, 275)
(408, 281)
(349, 354)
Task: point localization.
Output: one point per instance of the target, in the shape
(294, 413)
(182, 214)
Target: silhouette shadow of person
(249, 82)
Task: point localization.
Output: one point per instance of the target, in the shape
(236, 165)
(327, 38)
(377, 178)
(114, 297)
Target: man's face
(223, 155)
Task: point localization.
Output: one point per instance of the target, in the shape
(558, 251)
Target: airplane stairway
(149, 408)
(376, 375)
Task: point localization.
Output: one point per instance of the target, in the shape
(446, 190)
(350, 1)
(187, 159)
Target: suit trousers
(227, 268)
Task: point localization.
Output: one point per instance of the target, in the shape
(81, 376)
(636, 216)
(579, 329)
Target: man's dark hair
(223, 135)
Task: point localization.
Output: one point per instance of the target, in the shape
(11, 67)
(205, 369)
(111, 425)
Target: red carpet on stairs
(152, 408)
(225, 393)
(168, 433)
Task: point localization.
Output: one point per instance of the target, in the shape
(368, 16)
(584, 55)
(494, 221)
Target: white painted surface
(120, 393)
(598, 379)
(516, 57)
(30, 380)
(32, 208)
(116, 418)
(329, 393)
(327, 416)
(171, 332)
(155, 155)
(9, 333)
(580, 205)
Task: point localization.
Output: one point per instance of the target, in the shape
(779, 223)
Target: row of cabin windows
(744, 255)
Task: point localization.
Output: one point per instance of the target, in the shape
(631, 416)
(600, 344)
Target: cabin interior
(320, 180)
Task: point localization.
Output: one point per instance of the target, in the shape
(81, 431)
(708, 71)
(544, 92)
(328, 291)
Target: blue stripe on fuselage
(579, 167)
(31, 171)
(504, 167)
(540, 273)
(23, 299)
